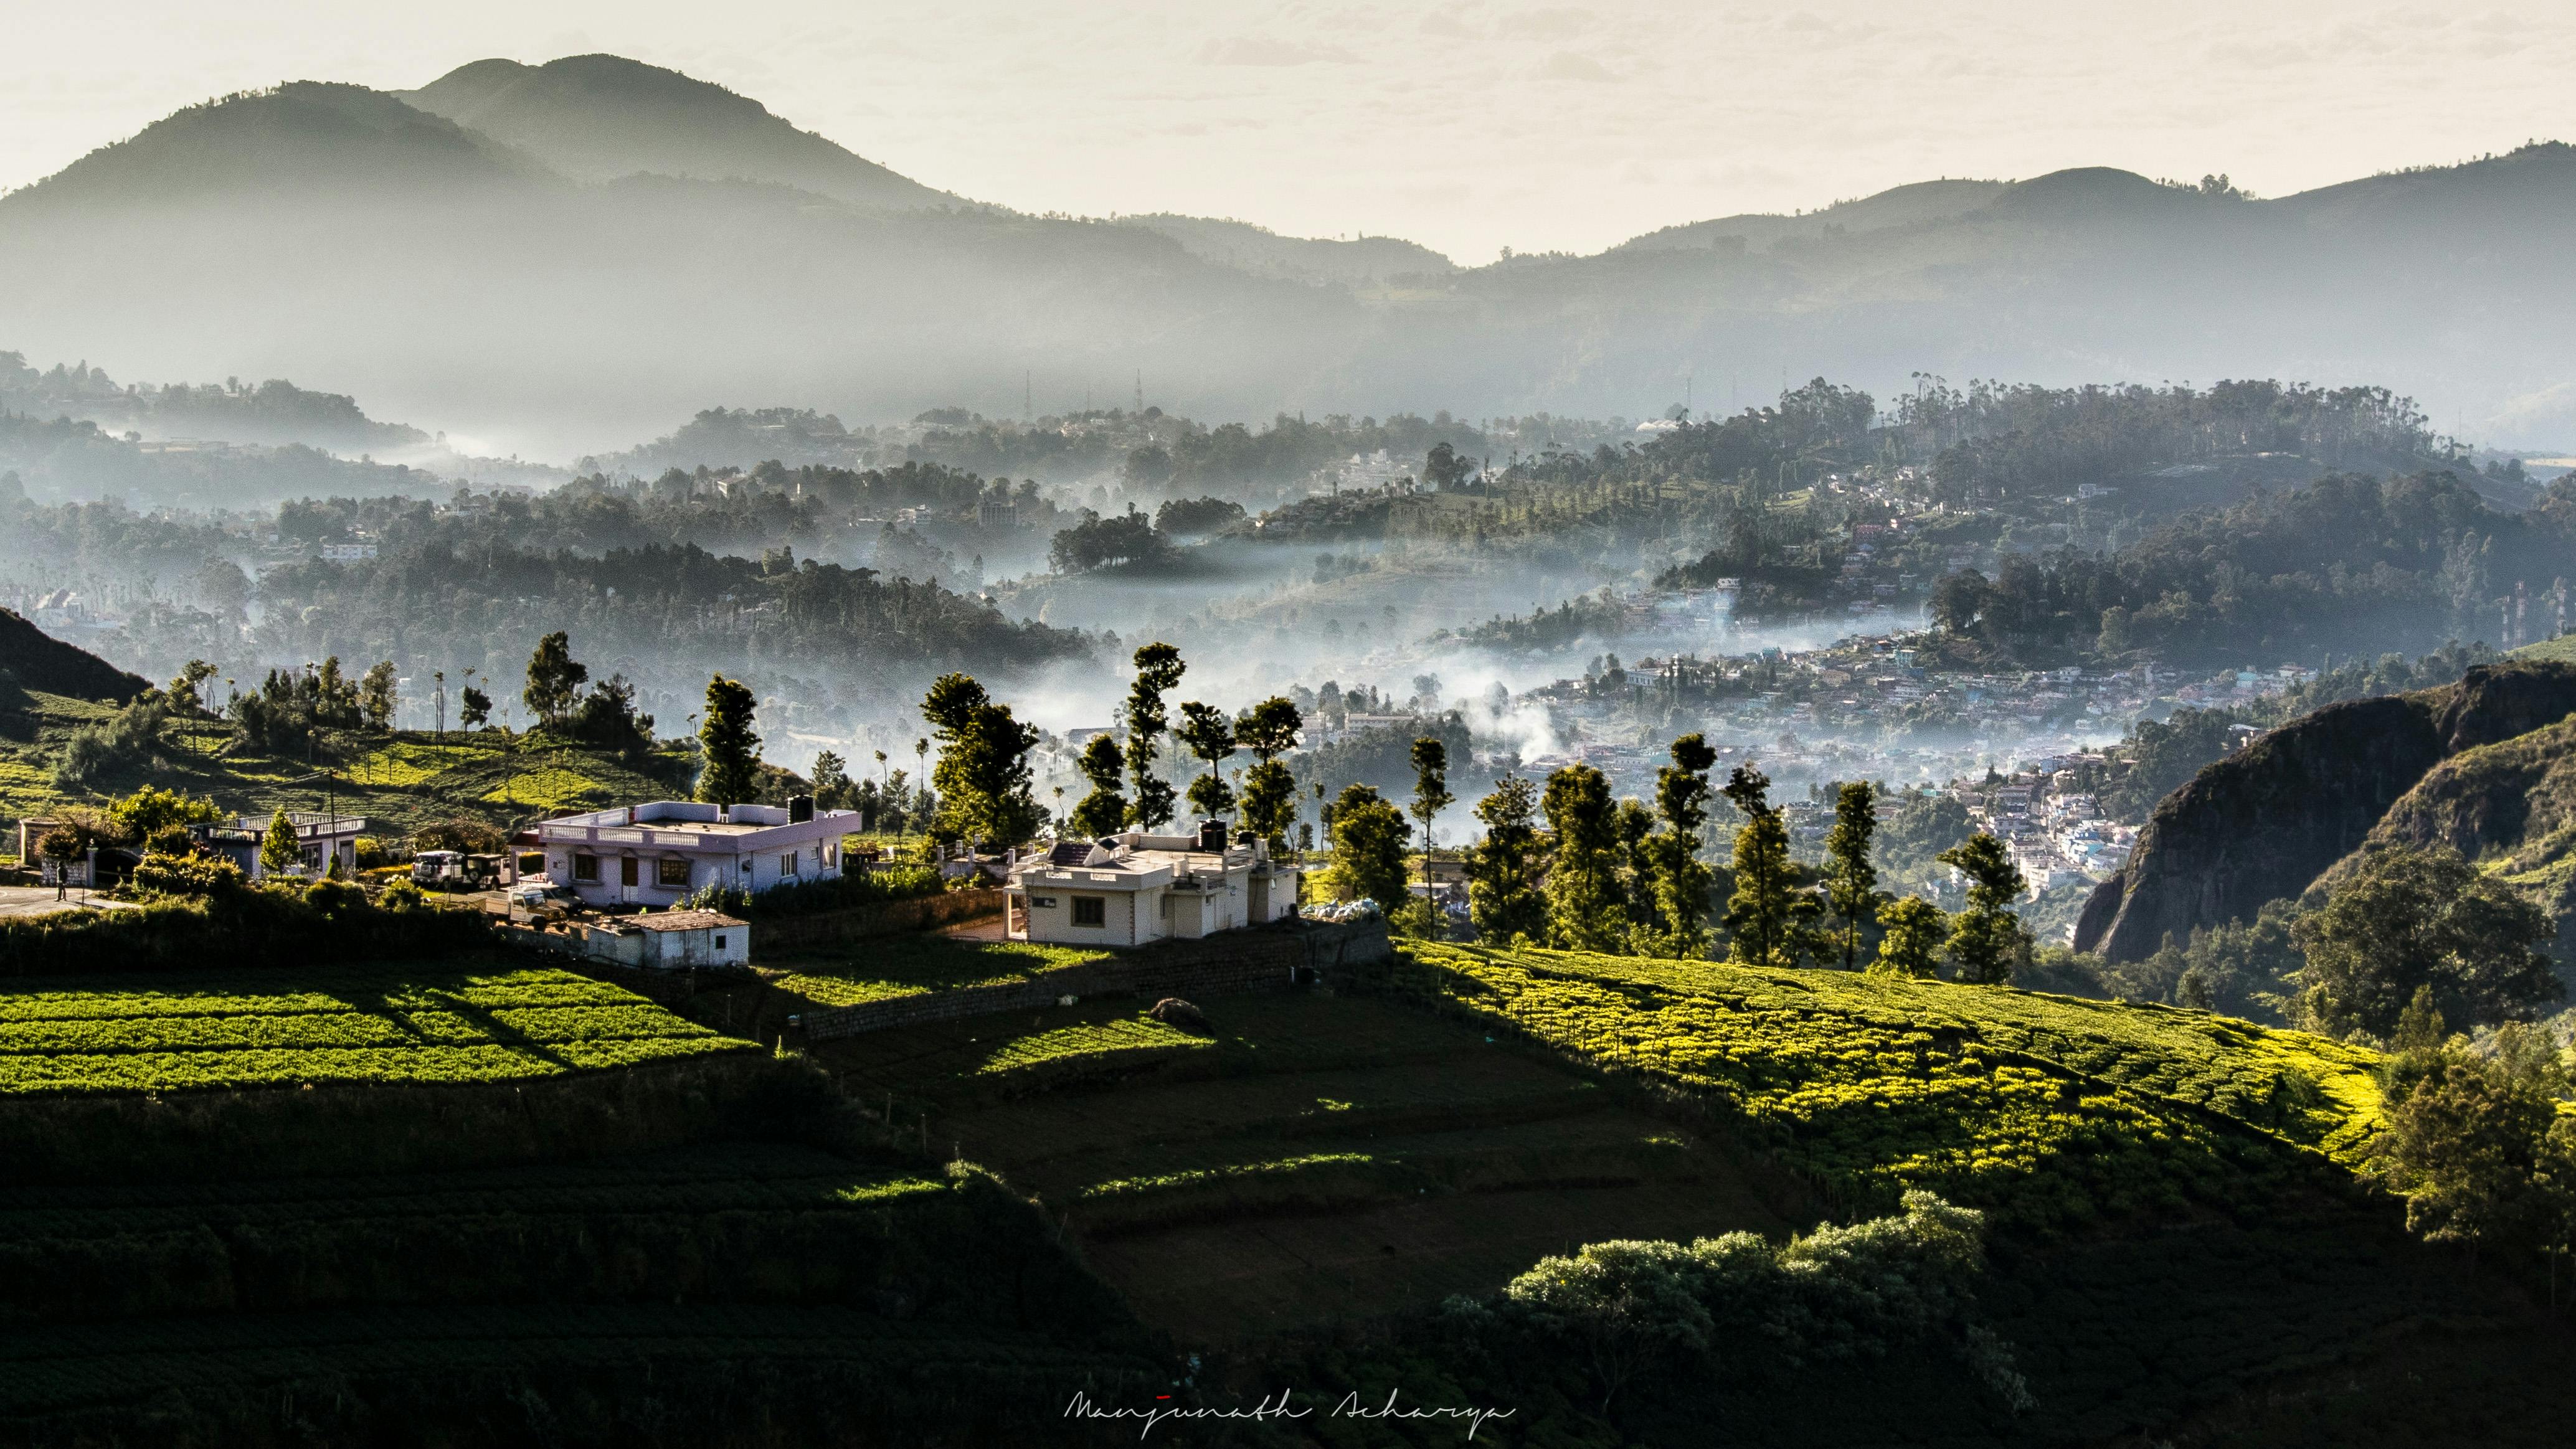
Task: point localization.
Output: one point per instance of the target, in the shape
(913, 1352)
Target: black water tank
(800, 808)
(1212, 835)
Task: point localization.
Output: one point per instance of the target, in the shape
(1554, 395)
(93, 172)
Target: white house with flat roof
(653, 855)
(1132, 888)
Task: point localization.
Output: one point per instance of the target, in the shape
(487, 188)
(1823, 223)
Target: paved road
(39, 901)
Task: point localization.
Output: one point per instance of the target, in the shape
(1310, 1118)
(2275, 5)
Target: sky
(1467, 127)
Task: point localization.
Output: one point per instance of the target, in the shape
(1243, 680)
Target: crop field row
(912, 965)
(2004, 1099)
(398, 1024)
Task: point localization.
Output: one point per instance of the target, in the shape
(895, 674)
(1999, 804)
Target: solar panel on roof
(1069, 853)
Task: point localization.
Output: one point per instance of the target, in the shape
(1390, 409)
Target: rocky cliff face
(2510, 805)
(37, 660)
(2266, 823)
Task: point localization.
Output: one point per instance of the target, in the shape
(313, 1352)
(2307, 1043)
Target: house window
(668, 872)
(787, 862)
(719, 943)
(1091, 910)
(586, 867)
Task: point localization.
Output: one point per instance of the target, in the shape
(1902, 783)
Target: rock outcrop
(38, 660)
(2266, 822)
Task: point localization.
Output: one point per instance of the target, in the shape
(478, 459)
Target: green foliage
(2044, 1110)
(2163, 756)
(1851, 881)
(1207, 733)
(1761, 914)
(1104, 810)
(377, 696)
(1368, 849)
(231, 1029)
(555, 679)
(1739, 1306)
(1925, 824)
(130, 738)
(1158, 669)
(150, 810)
(2405, 918)
(832, 788)
(1584, 910)
(278, 850)
(982, 777)
(912, 965)
(476, 711)
(1096, 542)
(729, 744)
(1501, 901)
(1679, 880)
(2476, 1142)
(1988, 942)
(1430, 790)
(851, 890)
(1915, 931)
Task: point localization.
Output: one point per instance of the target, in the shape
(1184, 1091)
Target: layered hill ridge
(578, 198)
(2266, 823)
(600, 117)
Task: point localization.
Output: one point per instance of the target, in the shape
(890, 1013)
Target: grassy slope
(1317, 1158)
(744, 1291)
(2052, 1111)
(402, 781)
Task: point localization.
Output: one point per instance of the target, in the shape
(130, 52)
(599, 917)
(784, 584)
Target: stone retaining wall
(893, 918)
(1260, 958)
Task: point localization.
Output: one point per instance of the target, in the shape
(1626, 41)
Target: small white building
(653, 855)
(1132, 888)
(671, 940)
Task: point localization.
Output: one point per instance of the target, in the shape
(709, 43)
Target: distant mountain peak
(600, 117)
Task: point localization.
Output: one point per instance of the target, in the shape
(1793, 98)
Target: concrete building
(671, 940)
(1132, 888)
(319, 836)
(655, 854)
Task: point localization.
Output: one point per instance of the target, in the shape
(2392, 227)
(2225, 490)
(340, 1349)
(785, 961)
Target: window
(586, 867)
(719, 943)
(668, 872)
(787, 862)
(1091, 910)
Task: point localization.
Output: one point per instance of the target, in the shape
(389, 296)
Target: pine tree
(1104, 810)
(983, 772)
(728, 742)
(1761, 915)
(1988, 943)
(1430, 792)
(1678, 878)
(1583, 907)
(1500, 899)
(831, 782)
(376, 696)
(1851, 881)
(1158, 668)
(1368, 849)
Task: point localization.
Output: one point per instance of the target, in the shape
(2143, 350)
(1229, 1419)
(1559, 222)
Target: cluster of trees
(1993, 442)
(2344, 565)
(1623, 877)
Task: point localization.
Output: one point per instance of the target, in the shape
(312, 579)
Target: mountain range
(563, 256)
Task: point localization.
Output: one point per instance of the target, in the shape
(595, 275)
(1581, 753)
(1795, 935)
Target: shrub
(201, 916)
(850, 891)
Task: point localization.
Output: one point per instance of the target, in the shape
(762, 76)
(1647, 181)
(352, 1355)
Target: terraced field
(2051, 1111)
(431, 1023)
(1317, 1157)
(910, 965)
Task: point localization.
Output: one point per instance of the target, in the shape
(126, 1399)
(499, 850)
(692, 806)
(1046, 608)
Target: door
(626, 878)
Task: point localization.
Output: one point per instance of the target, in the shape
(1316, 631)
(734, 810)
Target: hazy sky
(1469, 127)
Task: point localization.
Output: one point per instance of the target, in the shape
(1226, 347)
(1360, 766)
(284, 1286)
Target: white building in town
(653, 855)
(1132, 888)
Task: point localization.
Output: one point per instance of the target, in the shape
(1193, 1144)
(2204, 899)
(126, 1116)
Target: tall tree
(555, 678)
(983, 772)
(831, 782)
(1761, 914)
(377, 697)
(1269, 730)
(1207, 733)
(1104, 810)
(1583, 907)
(1911, 944)
(2469, 1139)
(1368, 849)
(1851, 881)
(477, 710)
(1430, 791)
(279, 851)
(728, 743)
(1158, 669)
(1679, 879)
(1988, 943)
(1500, 899)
